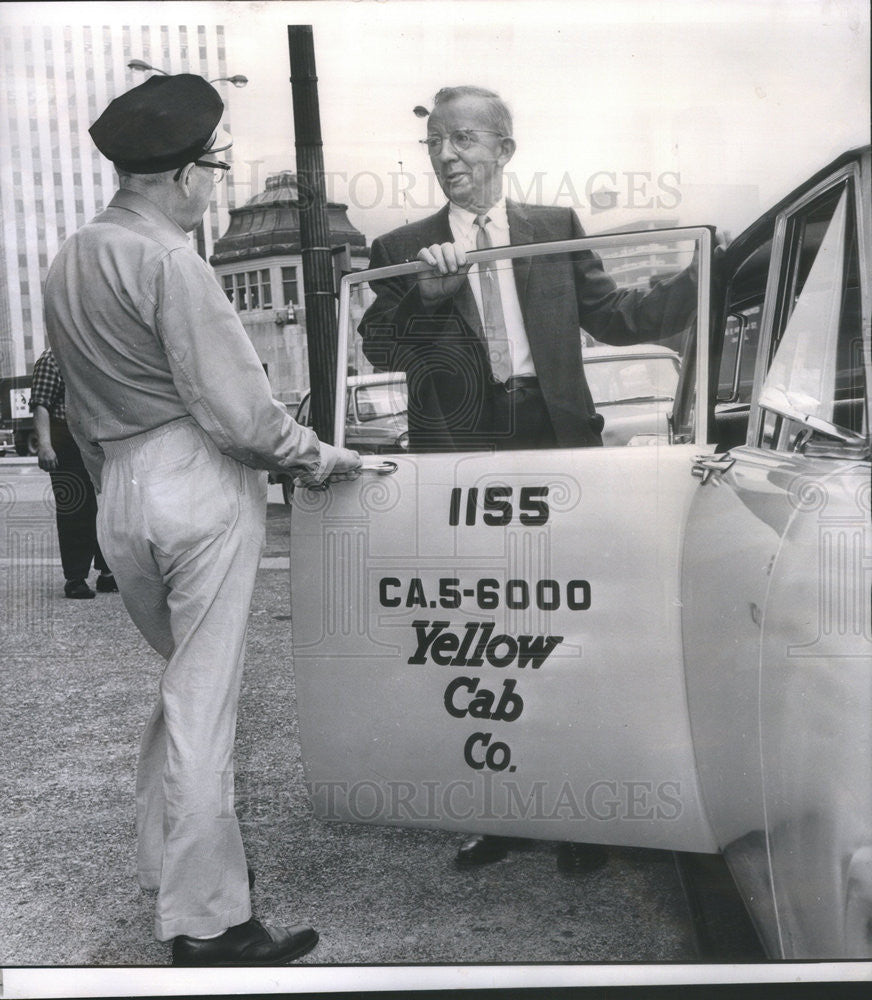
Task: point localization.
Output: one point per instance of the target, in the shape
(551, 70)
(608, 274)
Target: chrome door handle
(384, 468)
(705, 465)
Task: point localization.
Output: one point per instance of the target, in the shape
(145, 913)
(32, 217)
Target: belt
(516, 382)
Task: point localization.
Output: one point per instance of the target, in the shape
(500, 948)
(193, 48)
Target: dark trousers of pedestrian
(75, 508)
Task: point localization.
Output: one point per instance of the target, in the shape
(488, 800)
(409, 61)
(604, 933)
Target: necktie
(492, 307)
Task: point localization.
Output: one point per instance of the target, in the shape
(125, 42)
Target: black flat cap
(162, 124)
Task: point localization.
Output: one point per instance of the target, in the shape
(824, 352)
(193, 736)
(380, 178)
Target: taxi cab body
(663, 646)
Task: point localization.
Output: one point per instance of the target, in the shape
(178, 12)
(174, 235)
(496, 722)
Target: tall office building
(54, 82)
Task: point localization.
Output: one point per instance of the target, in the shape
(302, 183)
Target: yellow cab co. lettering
(478, 645)
(481, 751)
(458, 702)
(465, 697)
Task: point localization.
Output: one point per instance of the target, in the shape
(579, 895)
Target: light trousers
(183, 528)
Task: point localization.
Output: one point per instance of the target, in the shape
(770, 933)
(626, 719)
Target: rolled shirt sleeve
(47, 388)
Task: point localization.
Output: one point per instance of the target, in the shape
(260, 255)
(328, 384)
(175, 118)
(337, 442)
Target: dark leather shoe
(251, 943)
(78, 590)
(578, 859)
(106, 584)
(483, 850)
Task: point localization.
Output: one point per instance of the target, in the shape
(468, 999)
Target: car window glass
(384, 399)
(631, 378)
(303, 413)
(815, 385)
(599, 338)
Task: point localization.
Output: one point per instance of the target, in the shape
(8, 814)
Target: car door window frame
(746, 342)
(783, 273)
(702, 235)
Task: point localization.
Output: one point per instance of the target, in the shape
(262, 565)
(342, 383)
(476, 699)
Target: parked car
(375, 416)
(375, 422)
(16, 420)
(633, 389)
(664, 647)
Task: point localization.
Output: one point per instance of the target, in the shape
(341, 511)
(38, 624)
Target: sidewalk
(78, 685)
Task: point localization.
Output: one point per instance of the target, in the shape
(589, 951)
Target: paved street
(78, 684)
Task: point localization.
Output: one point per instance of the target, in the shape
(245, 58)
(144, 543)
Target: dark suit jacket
(444, 352)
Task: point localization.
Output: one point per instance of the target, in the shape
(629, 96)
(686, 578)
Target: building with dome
(259, 264)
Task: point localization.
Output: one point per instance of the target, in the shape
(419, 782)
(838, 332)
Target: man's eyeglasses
(219, 169)
(461, 139)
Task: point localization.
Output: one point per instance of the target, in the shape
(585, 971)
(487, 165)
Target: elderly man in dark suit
(493, 354)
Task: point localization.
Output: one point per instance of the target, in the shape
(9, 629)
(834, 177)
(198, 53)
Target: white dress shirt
(464, 231)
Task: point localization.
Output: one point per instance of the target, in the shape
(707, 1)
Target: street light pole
(315, 248)
(145, 67)
(238, 80)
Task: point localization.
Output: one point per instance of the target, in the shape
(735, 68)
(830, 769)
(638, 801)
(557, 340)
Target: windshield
(622, 380)
(381, 400)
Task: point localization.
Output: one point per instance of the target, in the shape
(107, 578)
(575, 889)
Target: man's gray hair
(498, 111)
(138, 182)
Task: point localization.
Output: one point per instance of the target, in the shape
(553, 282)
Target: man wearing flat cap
(171, 408)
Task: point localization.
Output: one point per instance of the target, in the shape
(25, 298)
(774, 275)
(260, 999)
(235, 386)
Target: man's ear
(185, 178)
(507, 150)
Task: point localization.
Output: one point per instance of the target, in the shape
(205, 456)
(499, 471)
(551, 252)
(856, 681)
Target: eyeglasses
(219, 169)
(461, 139)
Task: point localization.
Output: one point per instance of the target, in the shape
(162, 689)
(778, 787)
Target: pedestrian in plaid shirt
(75, 501)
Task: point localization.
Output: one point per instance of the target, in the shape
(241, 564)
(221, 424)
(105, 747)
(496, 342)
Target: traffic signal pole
(318, 277)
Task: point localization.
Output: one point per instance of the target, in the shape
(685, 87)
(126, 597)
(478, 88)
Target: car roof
(375, 378)
(762, 228)
(606, 352)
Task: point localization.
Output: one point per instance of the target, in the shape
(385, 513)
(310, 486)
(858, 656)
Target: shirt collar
(134, 202)
(465, 220)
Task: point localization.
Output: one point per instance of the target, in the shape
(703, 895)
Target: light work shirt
(144, 335)
(464, 231)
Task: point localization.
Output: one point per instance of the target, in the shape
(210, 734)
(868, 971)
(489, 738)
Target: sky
(704, 112)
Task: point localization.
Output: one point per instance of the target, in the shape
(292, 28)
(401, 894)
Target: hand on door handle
(383, 468)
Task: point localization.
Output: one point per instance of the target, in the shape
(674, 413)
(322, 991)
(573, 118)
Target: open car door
(490, 641)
